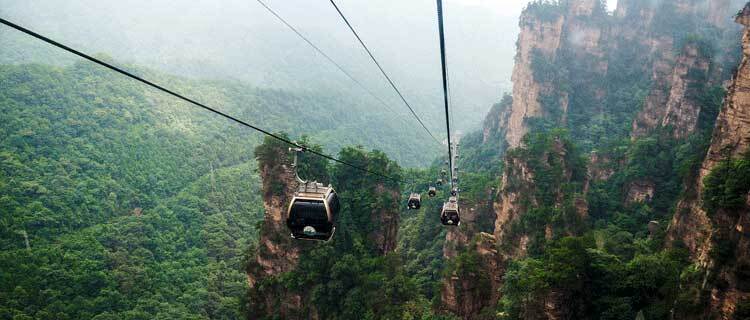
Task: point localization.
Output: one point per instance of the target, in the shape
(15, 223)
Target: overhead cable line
(445, 85)
(328, 57)
(393, 85)
(189, 100)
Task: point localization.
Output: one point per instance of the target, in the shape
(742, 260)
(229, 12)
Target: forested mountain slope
(120, 202)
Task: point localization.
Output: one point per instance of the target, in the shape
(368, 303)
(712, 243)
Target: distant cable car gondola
(454, 192)
(443, 173)
(439, 182)
(450, 215)
(415, 201)
(313, 209)
(432, 192)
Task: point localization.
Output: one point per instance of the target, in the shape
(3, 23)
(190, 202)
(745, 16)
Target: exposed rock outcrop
(565, 51)
(385, 237)
(376, 205)
(496, 121)
(673, 101)
(467, 292)
(277, 252)
(640, 191)
(690, 71)
(725, 230)
(461, 292)
(517, 236)
(537, 36)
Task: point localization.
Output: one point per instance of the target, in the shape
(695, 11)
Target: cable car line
(189, 100)
(445, 85)
(393, 85)
(327, 57)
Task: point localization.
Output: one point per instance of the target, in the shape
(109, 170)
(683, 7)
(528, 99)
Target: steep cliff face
(672, 101)
(496, 122)
(343, 268)
(538, 37)
(673, 71)
(682, 109)
(541, 199)
(537, 182)
(725, 230)
(577, 67)
(467, 291)
(473, 285)
(386, 218)
(277, 252)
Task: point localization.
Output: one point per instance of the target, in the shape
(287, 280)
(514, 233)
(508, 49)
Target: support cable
(189, 100)
(445, 85)
(393, 85)
(328, 57)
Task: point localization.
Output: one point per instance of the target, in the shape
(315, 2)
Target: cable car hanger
(313, 209)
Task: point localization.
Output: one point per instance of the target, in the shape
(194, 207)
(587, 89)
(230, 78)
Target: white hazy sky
(238, 39)
(512, 8)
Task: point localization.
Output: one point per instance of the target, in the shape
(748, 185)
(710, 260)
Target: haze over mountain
(240, 40)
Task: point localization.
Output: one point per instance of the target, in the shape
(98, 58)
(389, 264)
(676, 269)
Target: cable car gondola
(415, 201)
(312, 212)
(432, 192)
(450, 214)
(454, 192)
(313, 209)
(439, 182)
(443, 173)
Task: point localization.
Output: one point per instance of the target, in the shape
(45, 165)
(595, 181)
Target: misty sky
(238, 39)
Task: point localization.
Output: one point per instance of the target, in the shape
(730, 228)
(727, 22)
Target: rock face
(587, 42)
(520, 195)
(537, 36)
(672, 87)
(640, 191)
(569, 33)
(467, 292)
(277, 252)
(693, 227)
(690, 71)
(497, 120)
(387, 218)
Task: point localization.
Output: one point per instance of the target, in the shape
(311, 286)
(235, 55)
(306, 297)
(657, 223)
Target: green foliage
(595, 283)
(558, 174)
(727, 186)
(421, 236)
(350, 277)
(545, 10)
(483, 151)
(743, 310)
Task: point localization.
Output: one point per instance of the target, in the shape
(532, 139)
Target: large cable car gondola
(415, 201)
(313, 209)
(450, 216)
(312, 212)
